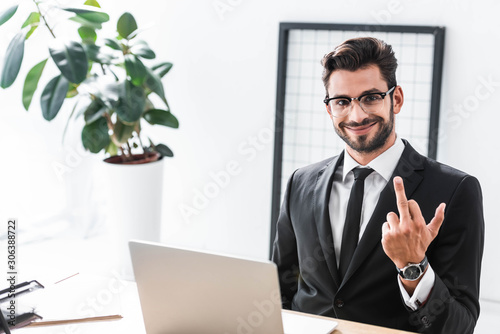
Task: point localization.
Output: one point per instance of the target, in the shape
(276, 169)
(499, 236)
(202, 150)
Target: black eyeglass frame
(382, 95)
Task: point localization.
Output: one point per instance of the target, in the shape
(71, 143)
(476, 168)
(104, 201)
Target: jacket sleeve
(455, 255)
(285, 252)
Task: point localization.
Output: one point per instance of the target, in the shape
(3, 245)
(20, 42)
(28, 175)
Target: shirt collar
(384, 164)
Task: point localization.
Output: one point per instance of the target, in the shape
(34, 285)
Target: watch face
(412, 273)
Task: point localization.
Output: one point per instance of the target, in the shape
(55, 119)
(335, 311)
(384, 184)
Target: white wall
(222, 89)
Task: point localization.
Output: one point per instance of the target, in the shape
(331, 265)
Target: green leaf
(131, 103)
(164, 150)
(95, 135)
(71, 60)
(135, 69)
(7, 14)
(89, 15)
(13, 60)
(31, 83)
(53, 97)
(94, 53)
(161, 117)
(109, 93)
(126, 25)
(87, 34)
(86, 23)
(104, 88)
(141, 49)
(92, 3)
(33, 20)
(123, 132)
(112, 149)
(162, 69)
(153, 82)
(31, 31)
(113, 43)
(72, 90)
(94, 111)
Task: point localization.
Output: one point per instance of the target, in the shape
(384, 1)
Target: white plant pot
(134, 197)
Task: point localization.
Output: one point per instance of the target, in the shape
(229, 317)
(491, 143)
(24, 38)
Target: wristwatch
(413, 271)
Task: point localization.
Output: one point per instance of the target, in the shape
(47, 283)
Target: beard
(361, 143)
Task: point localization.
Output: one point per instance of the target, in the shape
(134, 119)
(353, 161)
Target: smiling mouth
(362, 129)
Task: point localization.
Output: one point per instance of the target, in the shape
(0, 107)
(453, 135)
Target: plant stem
(122, 155)
(138, 132)
(114, 74)
(44, 20)
(111, 127)
(129, 150)
(142, 145)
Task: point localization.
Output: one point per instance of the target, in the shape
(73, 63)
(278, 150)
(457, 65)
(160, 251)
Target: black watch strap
(413, 271)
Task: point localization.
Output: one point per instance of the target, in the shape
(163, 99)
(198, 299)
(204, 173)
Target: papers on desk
(299, 324)
(78, 298)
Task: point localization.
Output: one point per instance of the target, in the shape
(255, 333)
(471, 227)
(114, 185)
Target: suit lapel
(321, 199)
(410, 162)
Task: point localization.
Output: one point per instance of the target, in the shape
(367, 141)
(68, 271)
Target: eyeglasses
(370, 103)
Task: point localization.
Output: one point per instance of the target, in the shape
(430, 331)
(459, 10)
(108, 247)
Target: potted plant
(115, 85)
(107, 79)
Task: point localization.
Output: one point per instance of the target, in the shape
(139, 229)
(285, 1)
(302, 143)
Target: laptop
(186, 291)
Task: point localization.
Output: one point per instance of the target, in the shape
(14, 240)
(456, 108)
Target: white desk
(96, 291)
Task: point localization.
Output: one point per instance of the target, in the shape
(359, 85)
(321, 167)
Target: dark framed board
(304, 133)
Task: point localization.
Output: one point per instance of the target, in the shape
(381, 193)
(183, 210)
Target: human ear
(328, 111)
(398, 99)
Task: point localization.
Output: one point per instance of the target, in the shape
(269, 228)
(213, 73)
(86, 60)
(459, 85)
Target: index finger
(401, 200)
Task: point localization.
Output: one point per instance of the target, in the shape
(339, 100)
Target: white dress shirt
(383, 166)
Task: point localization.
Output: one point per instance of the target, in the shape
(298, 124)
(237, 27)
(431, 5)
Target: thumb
(437, 221)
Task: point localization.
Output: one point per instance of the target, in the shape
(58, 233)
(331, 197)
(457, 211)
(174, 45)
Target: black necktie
(353, 219)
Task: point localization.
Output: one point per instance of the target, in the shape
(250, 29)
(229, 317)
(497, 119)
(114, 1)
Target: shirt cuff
(421, 292)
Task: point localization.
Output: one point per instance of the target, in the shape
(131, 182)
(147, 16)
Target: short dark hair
(358, 53)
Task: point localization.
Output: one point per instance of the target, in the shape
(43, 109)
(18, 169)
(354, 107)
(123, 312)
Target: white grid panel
(308, 131)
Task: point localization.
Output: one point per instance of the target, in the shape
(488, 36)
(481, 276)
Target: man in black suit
(415, 264)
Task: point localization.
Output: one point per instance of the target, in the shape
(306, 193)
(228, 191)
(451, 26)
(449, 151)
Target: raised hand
(405, 239)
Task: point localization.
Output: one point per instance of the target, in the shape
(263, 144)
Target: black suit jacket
(304, 253)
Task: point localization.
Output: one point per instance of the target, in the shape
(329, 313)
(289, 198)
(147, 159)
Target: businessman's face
(365, 132)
